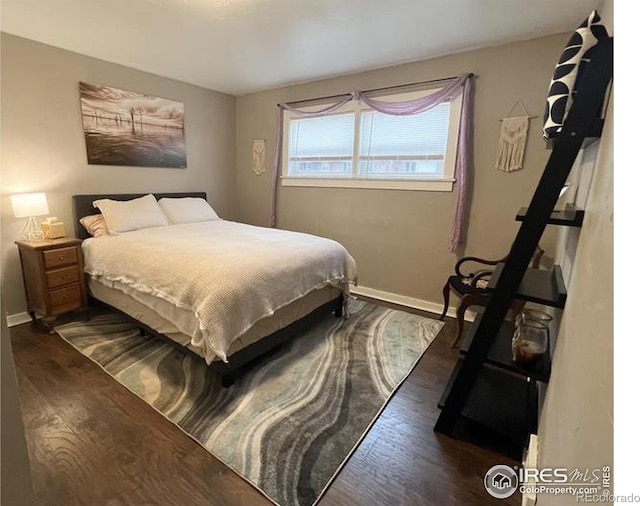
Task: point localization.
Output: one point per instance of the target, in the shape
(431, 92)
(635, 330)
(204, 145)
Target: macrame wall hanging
(259, 151)
(513, 140)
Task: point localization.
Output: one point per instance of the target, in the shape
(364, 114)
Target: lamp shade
(26, 205)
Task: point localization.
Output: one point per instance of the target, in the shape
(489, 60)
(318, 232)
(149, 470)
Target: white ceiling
(242, 46)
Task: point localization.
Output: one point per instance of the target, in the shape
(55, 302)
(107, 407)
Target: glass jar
(534, 315)
(530, 341)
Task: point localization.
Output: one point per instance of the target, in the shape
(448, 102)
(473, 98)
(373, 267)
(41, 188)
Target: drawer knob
(60, 257)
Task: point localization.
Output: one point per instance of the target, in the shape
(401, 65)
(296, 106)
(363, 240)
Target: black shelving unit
(571, 216)
(500, 353)
(594, 132)
(486, 385)
(508, 404)
(537, 285)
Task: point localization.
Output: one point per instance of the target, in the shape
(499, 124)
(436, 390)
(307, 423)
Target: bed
(226, 291)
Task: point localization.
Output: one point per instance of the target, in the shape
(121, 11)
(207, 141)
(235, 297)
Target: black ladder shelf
(486, 383)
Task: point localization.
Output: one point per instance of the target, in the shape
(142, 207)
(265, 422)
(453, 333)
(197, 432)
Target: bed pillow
(128, 215)
(187, 210)
(95, 225)
(565, 80)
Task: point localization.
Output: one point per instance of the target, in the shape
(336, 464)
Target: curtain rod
(340, 95)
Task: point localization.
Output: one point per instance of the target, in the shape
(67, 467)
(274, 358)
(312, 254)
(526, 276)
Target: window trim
(439, 184)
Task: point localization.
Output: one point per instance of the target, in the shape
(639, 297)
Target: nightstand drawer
(61, 277)
(65, 299)
(60, 257)
(54, 281)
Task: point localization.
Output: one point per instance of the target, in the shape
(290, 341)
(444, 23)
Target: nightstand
(53, 273)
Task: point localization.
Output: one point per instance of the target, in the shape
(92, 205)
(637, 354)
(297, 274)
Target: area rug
(291, 420)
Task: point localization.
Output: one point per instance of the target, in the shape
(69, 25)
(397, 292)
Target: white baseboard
(18, 319)
(403, 300)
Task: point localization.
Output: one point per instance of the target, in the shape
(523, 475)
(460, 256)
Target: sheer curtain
(464, 160)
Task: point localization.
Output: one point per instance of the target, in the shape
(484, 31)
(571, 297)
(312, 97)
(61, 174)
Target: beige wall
(400, 238)
(43, 145)
(576, 427)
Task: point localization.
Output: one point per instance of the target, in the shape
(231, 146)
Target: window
(358, 147)
(321, 146)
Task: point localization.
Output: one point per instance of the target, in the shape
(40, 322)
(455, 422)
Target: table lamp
(30, 205)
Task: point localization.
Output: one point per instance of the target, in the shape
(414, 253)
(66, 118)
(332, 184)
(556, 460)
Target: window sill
(435, 185)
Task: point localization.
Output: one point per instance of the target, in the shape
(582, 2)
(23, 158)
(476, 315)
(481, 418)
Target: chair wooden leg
(465, 302)
(445, 292)
(462, 309)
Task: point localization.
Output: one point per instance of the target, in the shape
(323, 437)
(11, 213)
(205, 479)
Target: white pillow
(95, 225)
(127, 215)
(187, 210)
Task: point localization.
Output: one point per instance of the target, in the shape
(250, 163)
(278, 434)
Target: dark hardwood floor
(91, 441)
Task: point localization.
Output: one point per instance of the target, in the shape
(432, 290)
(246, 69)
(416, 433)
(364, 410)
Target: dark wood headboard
(83, 205)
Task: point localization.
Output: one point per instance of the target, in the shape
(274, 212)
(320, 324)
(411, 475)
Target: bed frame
(83, 206)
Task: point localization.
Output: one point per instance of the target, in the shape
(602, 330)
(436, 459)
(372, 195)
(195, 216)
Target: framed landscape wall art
(128, 128)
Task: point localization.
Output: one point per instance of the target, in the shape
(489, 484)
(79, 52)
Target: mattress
(161, 316)
(216, 281)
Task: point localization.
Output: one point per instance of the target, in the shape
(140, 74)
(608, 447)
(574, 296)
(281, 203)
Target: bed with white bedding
(217, 287)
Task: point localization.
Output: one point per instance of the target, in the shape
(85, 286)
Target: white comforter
(230, 275)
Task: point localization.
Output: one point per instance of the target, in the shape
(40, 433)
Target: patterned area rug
(289, 422)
